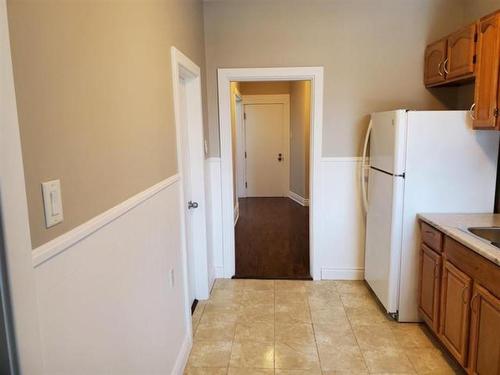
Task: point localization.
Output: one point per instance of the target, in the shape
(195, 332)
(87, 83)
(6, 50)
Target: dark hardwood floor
(272, 239)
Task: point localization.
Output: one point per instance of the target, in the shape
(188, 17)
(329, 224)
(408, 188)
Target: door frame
(184, 68)
(224, 78)
(273, 99)
(14, 211)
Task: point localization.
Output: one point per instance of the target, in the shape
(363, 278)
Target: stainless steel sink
(490, 234)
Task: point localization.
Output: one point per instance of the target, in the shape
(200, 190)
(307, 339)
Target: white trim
(236, 212)
(59, 244)
(225, 76)
(298, 198)
(183, 356)
(342, 273)
(14, 211)
(275, 99)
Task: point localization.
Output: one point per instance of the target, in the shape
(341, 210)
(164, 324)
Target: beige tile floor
(264, 327)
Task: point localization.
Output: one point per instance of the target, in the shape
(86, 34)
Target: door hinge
(495, 112)
(474, 59)
(245, 154)
(244, 116)
(246, 185)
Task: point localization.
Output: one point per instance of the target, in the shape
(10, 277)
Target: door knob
(280, 157)
(192, 204)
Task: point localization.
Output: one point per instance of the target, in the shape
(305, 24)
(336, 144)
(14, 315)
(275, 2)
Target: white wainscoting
(214, 216)
(105, 300)
(342, 228)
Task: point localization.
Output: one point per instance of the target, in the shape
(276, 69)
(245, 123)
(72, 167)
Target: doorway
(190, 158)
(280, 209)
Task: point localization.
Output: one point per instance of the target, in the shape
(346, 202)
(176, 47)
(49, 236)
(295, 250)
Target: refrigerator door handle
(363, 168)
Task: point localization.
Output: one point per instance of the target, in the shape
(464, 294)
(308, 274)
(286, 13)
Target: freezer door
(388, 141)
(383, 237)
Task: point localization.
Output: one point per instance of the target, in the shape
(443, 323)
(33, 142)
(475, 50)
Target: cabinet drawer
(432, 237)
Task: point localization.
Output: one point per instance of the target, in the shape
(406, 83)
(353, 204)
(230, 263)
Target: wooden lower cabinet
(484, 351)
(430, 280)
(459, 299)
(456, 290)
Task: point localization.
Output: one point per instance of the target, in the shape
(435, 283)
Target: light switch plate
(52, 202)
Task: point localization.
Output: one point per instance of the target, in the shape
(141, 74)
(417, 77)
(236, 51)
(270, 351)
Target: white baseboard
(236, 213)
(297, 198)
(183, 356)
(342, 274)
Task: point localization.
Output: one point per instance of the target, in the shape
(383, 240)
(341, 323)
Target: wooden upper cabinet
(484, 350)
(459, 62)
(435, 54)
(455, 313)
(486, 88)
(430, 279)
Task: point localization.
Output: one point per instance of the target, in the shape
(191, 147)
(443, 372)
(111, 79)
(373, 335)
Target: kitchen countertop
(455, 226)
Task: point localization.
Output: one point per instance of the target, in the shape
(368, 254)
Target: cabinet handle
(429, 232)
(472, 303)
(464, 301)
(439, 69)
(471, 112)
(445, 62)
(436, 271)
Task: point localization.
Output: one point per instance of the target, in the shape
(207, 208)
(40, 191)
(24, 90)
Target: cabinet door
(486, 90)
(459, 61)
(430, 279)
(455, 312)
(435, 54)
(484, 349)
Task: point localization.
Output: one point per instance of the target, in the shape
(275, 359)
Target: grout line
(235, 326)
(314, 334)
(275, 289)
(352, 330)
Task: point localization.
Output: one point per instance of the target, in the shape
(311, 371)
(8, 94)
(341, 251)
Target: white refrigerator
(420, 161)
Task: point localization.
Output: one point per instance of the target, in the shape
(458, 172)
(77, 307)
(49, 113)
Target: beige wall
(94, 94)
(372, 52)
(475, 9)
(300, 121)
(265, 88)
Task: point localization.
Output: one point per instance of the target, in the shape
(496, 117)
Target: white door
(383, 236)
(265, 150)
(186, 179)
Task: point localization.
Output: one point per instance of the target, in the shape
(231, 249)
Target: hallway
(272, 239)
(283, 327)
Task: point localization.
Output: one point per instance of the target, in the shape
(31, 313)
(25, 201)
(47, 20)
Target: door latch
(280, 157)
(192, 204)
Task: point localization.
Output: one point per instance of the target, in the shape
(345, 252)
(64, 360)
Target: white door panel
(265, 141)
(187, 189)
(383, 236)
(388, 141)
